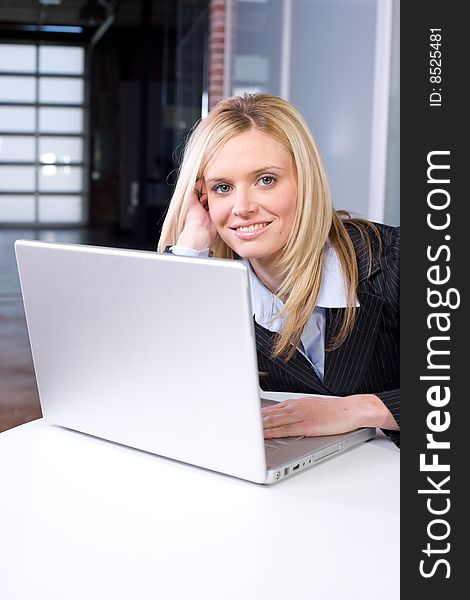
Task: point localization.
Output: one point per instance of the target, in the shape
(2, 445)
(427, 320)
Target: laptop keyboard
(275, 444)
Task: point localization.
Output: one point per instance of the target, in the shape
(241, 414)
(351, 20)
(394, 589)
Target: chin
(243, 250)
(250, 250)
(251, 253)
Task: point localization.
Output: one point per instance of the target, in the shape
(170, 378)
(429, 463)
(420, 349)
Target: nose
(243, 204)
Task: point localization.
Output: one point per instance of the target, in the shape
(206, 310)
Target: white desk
(85, 519)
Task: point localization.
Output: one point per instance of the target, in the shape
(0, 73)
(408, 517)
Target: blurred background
(98, 96)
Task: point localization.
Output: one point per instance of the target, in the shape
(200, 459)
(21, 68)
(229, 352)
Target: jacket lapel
(298, 367)
(345, 366)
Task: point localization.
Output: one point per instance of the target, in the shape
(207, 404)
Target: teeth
(252, 227)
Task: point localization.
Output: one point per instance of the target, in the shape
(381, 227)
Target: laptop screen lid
(152, 351)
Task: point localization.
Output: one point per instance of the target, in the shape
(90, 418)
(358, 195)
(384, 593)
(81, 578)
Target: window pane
(61, 59)
(60, 209)
(61, 90)
(60, 150)
(17, 58)
(58, 120)
(257, 55)
(16, 148)
(60, 179)
(18, 118)
(17, 209)
(17, 89)
(251, 68)
(17, 179)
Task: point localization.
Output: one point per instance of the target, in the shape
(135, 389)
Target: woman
(324, 287)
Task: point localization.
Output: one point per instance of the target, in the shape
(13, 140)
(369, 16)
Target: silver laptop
(156, 352)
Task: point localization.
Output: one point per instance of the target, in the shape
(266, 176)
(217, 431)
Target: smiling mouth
(249, 228)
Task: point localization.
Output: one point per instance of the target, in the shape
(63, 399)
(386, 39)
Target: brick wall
(216, 51)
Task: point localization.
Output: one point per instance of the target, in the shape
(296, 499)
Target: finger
(201, 194)
(204, 201)
(274, 421)
(198, 187)
(283, 431)
(274, 410)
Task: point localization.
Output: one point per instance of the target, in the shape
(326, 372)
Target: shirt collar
(332, 294)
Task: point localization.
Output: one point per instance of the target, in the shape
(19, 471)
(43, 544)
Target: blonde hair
(300, 264)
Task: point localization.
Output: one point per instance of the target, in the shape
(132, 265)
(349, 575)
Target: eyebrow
(251, 173)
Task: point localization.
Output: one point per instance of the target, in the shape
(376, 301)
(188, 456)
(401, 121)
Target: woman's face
(252, 190)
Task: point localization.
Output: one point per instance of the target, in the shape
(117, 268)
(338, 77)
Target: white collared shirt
(266, 305)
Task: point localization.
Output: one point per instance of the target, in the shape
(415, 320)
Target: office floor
(19, 400)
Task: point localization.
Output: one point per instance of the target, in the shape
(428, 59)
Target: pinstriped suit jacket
(368, 361)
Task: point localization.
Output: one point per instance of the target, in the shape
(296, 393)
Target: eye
(221, 188)
(267, 180)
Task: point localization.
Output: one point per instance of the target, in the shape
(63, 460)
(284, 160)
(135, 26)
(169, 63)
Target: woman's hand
(199, 231)
(313, 416)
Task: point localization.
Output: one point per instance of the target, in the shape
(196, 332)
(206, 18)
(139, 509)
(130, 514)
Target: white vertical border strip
(227, 91)
(286, 45)
(380, 109)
